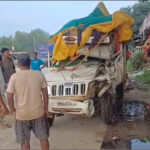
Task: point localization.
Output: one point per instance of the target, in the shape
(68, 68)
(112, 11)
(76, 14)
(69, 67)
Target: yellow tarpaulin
(120, 20)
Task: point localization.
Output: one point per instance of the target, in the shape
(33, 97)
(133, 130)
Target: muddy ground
(132, 128)
(76, 132)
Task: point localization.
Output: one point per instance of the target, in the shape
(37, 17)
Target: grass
(129, 67)
(144, 78)
(136, 62)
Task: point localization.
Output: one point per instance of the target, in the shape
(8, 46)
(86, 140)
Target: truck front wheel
(106, 111)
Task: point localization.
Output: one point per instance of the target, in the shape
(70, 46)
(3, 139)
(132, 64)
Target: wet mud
(132, 129)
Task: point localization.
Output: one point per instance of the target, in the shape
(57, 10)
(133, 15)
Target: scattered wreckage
(88, 68)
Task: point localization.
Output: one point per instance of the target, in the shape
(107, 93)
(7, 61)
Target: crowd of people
(24, 100)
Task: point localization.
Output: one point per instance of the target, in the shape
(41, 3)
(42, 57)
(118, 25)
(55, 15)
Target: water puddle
(132, 111)
(116, 145)
(129, 111)
(134, 144)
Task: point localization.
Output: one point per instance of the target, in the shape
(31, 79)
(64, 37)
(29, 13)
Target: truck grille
(77, 89)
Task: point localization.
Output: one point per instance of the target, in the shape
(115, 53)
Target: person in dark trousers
(148, 52)
(2, 81)
(31, 112)
(3, 108)
(36, 62)
(8, 66)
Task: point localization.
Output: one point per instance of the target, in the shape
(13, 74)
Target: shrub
(136, 62)
(144, 78)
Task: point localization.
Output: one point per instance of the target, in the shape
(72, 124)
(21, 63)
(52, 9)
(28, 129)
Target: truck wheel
(51, 120)
(119, 98)
(120, 91)
(107, 110)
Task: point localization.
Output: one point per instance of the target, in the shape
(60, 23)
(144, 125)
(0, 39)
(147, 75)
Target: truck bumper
(71, 107)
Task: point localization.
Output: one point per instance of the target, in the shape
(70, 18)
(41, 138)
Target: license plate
(66, 104)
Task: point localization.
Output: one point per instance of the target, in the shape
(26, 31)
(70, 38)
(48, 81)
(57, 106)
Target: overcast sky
(47, 15)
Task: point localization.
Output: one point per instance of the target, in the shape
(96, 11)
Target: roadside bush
(144, 78)
(136, 62)
(129, 66)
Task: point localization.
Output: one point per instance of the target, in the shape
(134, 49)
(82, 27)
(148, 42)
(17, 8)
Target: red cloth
(128, 54)
(118, 45)
(145, 49)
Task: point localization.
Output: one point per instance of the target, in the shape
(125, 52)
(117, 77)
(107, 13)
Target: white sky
(47, 15)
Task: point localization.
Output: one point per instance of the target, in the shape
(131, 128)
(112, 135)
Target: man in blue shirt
(36, 62)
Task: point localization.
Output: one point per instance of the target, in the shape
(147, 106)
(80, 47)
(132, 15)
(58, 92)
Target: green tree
(39, 38)
(127, 10)
(138, 11)
(23, 42)
(5, 42)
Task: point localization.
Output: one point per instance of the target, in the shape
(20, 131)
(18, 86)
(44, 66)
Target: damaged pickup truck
(88, 68)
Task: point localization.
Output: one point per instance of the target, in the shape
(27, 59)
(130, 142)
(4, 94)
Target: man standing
(2, 82)
(8, 66)
(3, 108)
(36, 62)
(148, 52)
(31, 109)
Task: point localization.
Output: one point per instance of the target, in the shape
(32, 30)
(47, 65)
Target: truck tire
(107, 110)
(120, 91)
(119, 98)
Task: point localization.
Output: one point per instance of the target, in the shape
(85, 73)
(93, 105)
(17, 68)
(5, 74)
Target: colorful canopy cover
(99, 20)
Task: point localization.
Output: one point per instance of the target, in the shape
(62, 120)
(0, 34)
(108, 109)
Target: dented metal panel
(74, 91)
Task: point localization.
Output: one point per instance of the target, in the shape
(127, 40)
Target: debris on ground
(131, 144)
(116, 145)
(132, 84)
(132, 122)
(136, 129)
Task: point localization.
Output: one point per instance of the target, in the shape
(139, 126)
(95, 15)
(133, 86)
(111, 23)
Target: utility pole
(12, 43)
(34, 42)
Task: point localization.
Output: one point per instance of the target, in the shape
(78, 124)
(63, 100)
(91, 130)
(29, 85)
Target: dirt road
(68, 132)
(76, 132)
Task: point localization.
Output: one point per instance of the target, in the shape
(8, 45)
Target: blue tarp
(43, 51)
(51, 49)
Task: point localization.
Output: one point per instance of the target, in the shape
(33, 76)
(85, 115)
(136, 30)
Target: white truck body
(71, 91)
